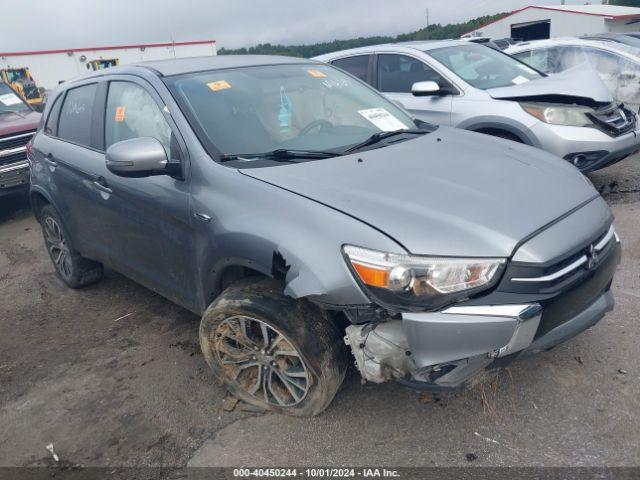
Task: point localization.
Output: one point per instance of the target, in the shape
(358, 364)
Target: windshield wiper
(378, 137)
(281, 155)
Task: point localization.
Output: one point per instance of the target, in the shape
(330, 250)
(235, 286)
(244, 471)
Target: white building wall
(622, 26)
(48, 70)
(563, 24)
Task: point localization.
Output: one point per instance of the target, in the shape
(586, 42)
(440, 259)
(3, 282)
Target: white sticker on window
(10, 99)
(519, 79)
(527, 69)
(382, 119)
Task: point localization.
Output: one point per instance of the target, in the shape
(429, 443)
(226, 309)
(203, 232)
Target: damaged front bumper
(588, 149)
(443, 350)
(446, 349)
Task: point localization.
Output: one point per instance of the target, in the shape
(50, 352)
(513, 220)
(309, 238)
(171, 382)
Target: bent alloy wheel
(57, 247)
(260, 359)
(272, 351)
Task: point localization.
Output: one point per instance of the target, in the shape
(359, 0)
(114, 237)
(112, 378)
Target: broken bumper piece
(444, 350)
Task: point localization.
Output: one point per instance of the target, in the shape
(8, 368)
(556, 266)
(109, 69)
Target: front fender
(283, 235)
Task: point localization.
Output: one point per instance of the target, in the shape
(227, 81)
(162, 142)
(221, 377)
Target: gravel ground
(112, 376)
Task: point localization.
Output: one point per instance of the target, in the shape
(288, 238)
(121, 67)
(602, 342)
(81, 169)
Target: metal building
(541, 22)
(50, 67)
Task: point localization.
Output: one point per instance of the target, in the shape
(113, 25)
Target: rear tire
(271, 351)
(74, 270)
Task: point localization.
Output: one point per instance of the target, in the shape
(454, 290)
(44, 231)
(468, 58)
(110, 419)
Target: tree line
(432, 32)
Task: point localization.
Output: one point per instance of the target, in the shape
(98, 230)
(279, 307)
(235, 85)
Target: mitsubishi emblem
(592, 257)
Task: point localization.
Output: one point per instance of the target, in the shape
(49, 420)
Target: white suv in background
(470, 86)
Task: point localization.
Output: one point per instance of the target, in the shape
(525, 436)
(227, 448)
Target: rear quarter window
(76, 115)
(51, 127)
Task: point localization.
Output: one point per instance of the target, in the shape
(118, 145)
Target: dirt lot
(112, 376)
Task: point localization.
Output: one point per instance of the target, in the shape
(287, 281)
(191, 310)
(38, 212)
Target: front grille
(570, 303)
(560, 274)
(614, 119)
(13, 141)
(12, 148)
(14, 177)
(568, 285)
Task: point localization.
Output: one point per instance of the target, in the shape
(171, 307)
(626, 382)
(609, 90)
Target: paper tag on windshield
(10, 99)
(382, 119)
(519, 79)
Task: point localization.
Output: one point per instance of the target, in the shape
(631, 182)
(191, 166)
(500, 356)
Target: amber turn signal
(373, 276)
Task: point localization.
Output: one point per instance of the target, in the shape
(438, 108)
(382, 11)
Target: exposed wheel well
(497, 132)
(230, 275)
(38, 202)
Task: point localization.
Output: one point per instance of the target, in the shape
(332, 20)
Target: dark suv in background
(18, 123)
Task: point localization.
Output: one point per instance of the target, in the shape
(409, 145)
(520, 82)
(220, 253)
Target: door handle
(202, 217)
(101, 185)
(49, 160)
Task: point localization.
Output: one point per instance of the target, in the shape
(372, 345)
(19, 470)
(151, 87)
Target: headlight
(412, 280)
(569, 115)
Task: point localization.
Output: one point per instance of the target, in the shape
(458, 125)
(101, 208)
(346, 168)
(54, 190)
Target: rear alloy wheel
(272, 351)
(75, 270)
(58, 249)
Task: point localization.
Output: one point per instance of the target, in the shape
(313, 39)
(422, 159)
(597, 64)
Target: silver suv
(470, 86)
(304, 215)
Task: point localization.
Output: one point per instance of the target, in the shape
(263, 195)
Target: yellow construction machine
(102, 63)
(21, 81)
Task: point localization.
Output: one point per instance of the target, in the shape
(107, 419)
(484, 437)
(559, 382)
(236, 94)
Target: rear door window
(133, 113)
(76, 114)
(357, 66)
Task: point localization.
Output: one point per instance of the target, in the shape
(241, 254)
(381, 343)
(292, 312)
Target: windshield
(301, 107)
(483, 67)
(10, 101)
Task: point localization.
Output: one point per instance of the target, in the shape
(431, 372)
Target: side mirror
(425, 89)
(138, 157)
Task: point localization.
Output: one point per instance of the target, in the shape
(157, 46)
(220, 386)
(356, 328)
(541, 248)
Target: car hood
(450, 192)
(575, 83)
(13, 123)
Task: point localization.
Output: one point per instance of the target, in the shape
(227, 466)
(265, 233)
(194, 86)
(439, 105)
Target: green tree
(626, 3)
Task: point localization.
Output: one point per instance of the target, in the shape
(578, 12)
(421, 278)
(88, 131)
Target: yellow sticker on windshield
(219, 85)
(316, 73)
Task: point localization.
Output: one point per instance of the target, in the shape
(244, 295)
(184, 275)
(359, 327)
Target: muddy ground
(112, 375)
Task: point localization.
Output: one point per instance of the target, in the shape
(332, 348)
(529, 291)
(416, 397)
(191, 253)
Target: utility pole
(427, 10)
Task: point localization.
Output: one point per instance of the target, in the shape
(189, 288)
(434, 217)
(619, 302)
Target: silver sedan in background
(477, 88)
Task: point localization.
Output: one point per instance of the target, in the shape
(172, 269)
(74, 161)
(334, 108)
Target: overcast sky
(233, 23)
